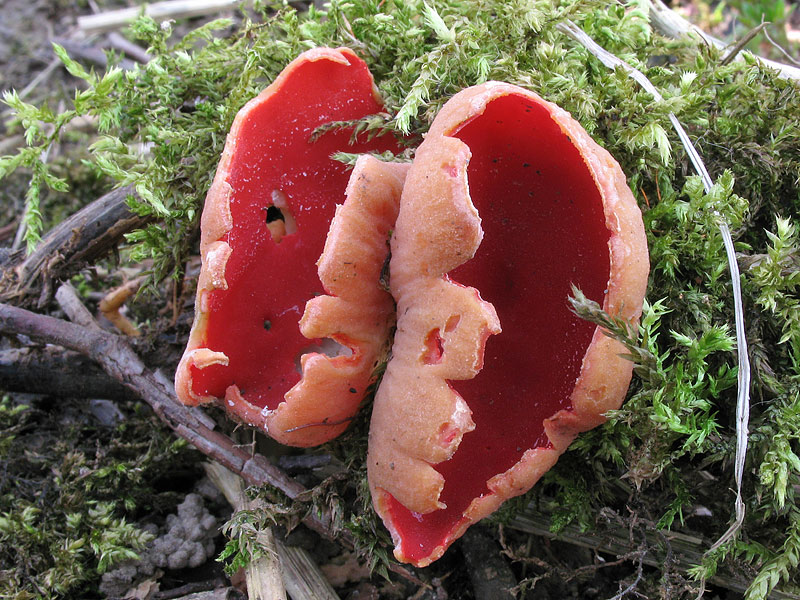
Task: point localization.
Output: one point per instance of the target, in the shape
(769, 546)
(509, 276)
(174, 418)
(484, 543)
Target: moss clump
(674, 438)
(70, 492)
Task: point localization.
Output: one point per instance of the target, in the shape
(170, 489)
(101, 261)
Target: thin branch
(55, 372)
(672, 25)
(639, 572)
(780, 49)
(68, 299)
(86, 236)
(119, 360)
(739, 46)
(159, 11)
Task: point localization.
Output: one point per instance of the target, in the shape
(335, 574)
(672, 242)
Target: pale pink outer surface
(357, 310)
(418, 419)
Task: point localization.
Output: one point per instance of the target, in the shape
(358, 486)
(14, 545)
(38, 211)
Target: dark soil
(26, 28)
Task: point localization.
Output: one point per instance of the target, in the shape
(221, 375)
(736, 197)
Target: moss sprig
(70, 497)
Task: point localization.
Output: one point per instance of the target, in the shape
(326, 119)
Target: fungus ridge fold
(264, 225)
(509, 202)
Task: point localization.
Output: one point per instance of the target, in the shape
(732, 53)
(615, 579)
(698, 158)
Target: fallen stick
(55, 372)
(119, 360)
(159, 11)
(302, 576)
(86, 236)
(280, 566)
(263, 574)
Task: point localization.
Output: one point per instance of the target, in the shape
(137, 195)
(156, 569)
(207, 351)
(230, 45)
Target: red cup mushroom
(508, 203)
(264, 225)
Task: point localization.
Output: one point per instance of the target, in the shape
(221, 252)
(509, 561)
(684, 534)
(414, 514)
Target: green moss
(674, 438)
(69, 495)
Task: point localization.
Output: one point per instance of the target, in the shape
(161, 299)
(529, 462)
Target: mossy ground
(664, 460)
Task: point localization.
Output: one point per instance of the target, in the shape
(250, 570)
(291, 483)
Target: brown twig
(739, 46)
(55, 372)
(631, 588)
(119, 360)
(86, 236)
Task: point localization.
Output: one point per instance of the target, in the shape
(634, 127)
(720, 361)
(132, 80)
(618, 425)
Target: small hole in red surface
(274, 214)
(327, 346)
(434, 348)
(280, 221)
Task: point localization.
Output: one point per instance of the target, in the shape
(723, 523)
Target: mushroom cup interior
(544, 230)
(285, 189)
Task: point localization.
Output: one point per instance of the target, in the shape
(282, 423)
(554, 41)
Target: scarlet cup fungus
(464, 418)
(264, 226)
(508, 203)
